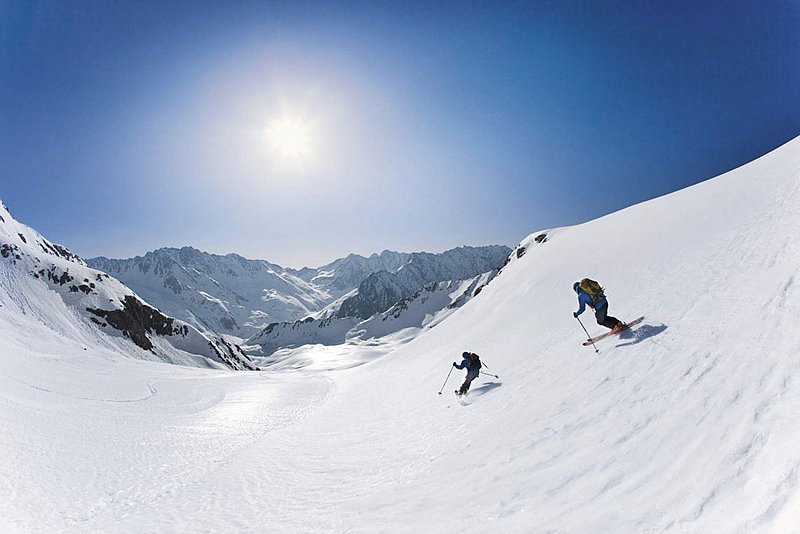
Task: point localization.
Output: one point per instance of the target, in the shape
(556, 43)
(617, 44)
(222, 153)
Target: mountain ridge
(230, 294)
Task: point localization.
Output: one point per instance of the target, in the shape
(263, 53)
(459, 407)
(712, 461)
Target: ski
(603, 336)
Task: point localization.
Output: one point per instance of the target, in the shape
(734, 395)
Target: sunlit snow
(686, 424)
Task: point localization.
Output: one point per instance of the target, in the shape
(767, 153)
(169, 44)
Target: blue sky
(127, 126)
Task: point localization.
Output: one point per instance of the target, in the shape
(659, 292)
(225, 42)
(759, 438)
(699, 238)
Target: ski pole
(587, 334)
(490, 374)
(445, 380)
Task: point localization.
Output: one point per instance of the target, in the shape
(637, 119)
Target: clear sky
(298, 132)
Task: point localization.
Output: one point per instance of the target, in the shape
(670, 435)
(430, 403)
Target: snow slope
(45, 280)
(687, 424)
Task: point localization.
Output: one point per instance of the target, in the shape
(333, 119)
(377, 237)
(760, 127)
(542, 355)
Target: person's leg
(603, 319)
(600, 314)
(468, 381)
(465, 386)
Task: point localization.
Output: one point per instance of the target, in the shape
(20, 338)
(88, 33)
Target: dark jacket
(584, 299)
(468, 364)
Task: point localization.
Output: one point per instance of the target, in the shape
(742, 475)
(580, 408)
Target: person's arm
(582, 302)
(461, 365)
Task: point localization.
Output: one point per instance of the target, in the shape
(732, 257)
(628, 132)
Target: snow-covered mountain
(342, 275)
(381, 290)
(48, 281)
(224, 294)
(234, 295)
(687, 423)
(417, 295)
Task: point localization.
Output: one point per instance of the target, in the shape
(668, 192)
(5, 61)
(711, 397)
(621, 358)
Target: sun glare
(290, 139)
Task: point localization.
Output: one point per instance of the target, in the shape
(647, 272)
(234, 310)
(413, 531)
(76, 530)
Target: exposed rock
(136, 319)
(8, 249)
(61, 279)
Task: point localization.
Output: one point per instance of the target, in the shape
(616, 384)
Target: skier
(472, 363)
(590, 293)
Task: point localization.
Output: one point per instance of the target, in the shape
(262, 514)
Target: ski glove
(454, 364)
(575, 314)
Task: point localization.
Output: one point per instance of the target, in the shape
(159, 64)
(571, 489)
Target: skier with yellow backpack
(591, 294)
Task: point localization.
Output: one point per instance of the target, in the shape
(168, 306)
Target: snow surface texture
(47, 281)
(686, 424)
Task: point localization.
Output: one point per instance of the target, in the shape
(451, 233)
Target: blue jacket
(465, 364)
(585, 300)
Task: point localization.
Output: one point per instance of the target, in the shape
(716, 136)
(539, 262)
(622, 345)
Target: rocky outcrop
(136, 319)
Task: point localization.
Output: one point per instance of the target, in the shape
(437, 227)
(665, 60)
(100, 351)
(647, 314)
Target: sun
(290, 139)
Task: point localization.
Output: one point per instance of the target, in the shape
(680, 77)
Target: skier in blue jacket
(472, 363)
(600, 309)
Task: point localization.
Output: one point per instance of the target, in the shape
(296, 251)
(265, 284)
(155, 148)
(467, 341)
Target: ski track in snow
(688, 423)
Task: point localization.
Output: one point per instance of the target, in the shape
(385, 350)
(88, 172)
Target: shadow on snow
(638, 335)
(485, 388)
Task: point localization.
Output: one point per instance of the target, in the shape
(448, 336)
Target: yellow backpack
(592, 289)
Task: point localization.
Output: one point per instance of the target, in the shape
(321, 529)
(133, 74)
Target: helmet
(465, 355)
(576, 287)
